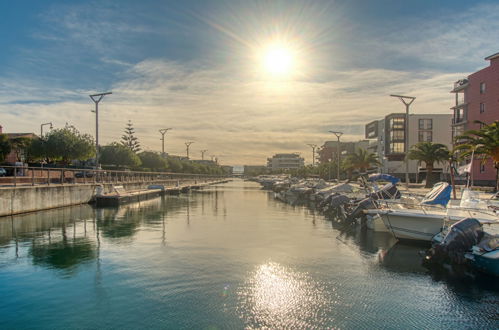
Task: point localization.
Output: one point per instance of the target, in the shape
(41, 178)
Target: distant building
(285, 161)
(329, 150)
(477, 98)
(387, 137)
(16, 155)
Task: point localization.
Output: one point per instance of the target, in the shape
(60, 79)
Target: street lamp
(97, 98)
(163, 132)
(407, 100)
(338, 135)
(313, 146)
(187, 145)
(41, 128)
(202, 153)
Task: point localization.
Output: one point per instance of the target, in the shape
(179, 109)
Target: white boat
(424, 221)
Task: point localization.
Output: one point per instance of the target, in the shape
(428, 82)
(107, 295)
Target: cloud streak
(219, 101)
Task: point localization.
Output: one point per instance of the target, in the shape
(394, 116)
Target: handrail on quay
(27, 175)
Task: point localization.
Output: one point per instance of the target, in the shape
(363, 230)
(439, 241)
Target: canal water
(227, 256)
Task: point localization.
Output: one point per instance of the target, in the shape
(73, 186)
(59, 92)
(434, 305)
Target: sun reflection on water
(276, 296)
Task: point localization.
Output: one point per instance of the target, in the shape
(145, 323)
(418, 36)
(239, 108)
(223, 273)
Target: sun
(278, 60)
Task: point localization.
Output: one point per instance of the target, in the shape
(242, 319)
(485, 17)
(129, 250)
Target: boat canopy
(384, 177)
(439, 195)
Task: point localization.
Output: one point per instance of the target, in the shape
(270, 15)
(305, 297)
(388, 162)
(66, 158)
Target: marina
(462, 233)
(225, 256)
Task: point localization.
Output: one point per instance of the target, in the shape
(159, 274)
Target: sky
(202, 68)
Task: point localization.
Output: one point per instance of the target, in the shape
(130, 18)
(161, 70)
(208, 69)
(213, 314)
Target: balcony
(460, 85)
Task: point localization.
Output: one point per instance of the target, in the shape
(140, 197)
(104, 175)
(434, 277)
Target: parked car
(3, 172)
(88, 174)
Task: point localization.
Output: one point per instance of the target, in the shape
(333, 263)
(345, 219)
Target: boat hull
(413, 226)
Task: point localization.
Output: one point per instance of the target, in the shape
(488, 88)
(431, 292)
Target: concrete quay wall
(23, 199)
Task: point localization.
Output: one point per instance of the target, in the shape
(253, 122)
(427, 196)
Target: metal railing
(25, 175)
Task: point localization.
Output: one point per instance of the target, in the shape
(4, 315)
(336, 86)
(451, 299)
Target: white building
(285, 161)
(387, 137)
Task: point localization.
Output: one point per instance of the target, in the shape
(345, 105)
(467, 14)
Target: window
(397, 135)
(425, 124)
(397, 123)
(425, 136)
(459, 116)
(482, 107)
(482, 88)
(482, 168)
(397, 147)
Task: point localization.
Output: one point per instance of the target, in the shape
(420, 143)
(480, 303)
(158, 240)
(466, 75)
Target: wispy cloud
(246, 121)
(219, 103)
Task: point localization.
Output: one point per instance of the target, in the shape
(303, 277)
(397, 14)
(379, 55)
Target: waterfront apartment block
(387, 137)
(285, 161)
(477, 98)
(329, 150)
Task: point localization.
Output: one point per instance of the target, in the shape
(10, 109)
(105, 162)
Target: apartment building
(329, 150)
(285, 161)
(387, 139)
(477, 98)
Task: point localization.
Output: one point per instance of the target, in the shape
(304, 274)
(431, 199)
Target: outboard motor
(365, 204)
(337, 201)
(461, 237)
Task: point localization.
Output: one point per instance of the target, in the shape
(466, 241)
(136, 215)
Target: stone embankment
(23, 199)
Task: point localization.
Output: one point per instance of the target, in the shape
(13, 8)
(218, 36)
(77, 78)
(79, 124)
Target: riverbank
(24, 199)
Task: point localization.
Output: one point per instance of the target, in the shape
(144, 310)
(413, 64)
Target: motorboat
(422, 222)
(466, 242)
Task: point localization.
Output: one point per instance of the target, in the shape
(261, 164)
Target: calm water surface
(228, 256)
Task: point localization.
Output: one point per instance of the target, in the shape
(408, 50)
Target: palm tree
(360, 160)
(484, 143)
(429, 153)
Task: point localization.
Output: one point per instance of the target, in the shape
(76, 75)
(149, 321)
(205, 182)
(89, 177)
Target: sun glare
(278, 60)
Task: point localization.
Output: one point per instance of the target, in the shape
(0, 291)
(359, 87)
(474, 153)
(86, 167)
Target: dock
(121, 196)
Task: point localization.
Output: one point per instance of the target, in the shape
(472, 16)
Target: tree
(175, 165)
(129, 139)
(21, 145)
(5, 146)
(68, 144)
(37, 149)
(152, 160)
(118, 154)
(483, 143)
(360, 160)
(429, 153)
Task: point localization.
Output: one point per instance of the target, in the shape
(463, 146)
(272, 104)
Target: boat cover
(388, 191)
(439, 195)
(384, 177)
